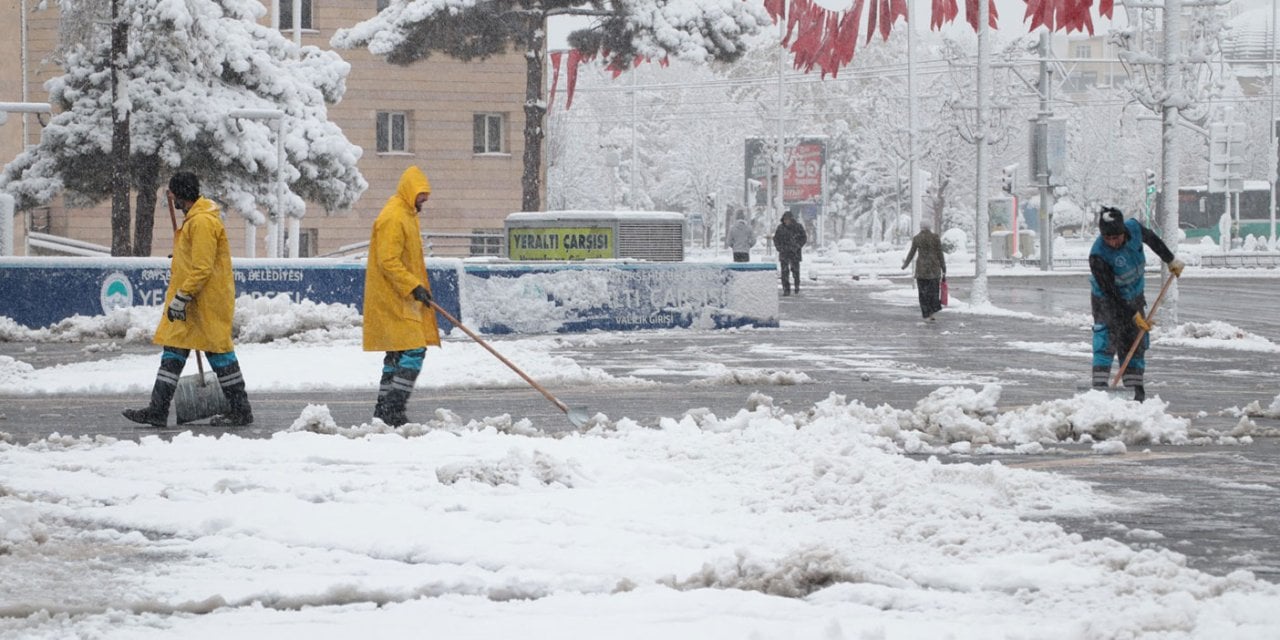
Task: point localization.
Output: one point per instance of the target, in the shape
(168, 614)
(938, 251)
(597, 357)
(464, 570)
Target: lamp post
(6, 201)
(274, 237)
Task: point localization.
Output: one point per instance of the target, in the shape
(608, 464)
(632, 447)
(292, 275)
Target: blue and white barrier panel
(492, 297)
(38, 292)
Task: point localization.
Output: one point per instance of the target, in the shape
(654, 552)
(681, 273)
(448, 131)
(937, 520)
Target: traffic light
(711, 202)
(1008, 179)
(1151, 181)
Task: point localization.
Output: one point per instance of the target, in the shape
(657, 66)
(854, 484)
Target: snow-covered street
(817, 480)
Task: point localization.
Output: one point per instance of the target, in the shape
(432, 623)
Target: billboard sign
(560, 243)
(801, 178)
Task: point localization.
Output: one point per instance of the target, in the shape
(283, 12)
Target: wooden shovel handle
(554, 400)
(1115, 382)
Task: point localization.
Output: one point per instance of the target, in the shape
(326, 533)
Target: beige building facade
(461, 122)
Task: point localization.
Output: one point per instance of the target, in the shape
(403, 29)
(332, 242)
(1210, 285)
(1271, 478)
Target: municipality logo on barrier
(117, 292)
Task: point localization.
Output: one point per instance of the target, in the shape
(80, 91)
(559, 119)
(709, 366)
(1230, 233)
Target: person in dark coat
(931, 269)
(1117, 283)
(788, 239)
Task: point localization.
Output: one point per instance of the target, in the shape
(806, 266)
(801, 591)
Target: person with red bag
(931, 269)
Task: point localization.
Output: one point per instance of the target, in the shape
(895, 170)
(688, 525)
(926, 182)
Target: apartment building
(1090, 62)
(462, 122)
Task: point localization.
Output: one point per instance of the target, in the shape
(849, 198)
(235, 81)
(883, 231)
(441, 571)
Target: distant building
(1248, 43)
(1091, 63)
(462, 122)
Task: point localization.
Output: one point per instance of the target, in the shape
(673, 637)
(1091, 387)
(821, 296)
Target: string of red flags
(826, 39)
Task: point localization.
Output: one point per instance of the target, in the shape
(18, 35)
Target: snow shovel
(198, 396)
(1115, 386)
(577, 415)
(1115, 381)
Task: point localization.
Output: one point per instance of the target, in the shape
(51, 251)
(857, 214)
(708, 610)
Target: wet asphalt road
(1216, 504)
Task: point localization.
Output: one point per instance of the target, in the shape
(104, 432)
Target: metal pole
(981, 231)
(1172, 33)
(26, 90)
(297, 22)
(779, 159)
(275, 223)
(1272, 151)
(6, 224)
(632, 199)
(280, 217)
(913, 151)
(1042, 171)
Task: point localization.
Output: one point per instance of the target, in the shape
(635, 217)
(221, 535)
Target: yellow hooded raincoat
(201, 266)
(393, 319)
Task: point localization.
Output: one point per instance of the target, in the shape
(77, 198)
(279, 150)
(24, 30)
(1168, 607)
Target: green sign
(560, 243)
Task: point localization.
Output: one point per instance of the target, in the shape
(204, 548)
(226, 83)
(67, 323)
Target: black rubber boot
(384, 385)
(402, 381)
(1139, 393)
(156, 414)
(232, 382)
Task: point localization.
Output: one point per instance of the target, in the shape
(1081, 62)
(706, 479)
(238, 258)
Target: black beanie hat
(185, 186)
(1111, 222)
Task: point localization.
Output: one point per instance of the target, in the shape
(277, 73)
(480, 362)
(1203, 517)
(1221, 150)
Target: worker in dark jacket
(1116, 266)
(788, 239)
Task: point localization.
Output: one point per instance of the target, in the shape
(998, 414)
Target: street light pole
(274, 222)
(6, 200)
(981, 232)
(1042, 175)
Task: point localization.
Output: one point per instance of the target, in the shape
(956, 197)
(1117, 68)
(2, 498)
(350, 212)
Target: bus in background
(1199, 211)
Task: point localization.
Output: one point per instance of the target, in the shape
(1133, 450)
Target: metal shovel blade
(198, 399)
(578, 416)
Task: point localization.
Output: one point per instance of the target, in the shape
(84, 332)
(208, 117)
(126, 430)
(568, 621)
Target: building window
(486, 242)
(391, 132)
(286, 14)
(1084, 51)
(488, 132)
(308, 242)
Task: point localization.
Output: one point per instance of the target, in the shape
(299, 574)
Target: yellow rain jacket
(201, 267)
(393, 319)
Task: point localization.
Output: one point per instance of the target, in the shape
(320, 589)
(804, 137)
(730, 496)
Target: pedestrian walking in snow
(398, 318)
(741, 238)
(199, 305)
(931, 269)
(788, 239)
(1117, 283)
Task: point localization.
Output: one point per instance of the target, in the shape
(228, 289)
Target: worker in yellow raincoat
(199, 305)
(398, 317)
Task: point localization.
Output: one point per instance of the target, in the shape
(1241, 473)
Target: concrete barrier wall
(496, 298)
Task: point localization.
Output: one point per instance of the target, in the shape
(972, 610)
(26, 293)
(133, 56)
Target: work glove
(421, 294)
(1142, 323)
(178, 307)
(1176, 266)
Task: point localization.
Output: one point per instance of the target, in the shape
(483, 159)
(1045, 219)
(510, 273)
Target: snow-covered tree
(623, 30)
(190, 64)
